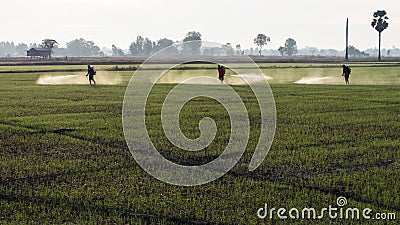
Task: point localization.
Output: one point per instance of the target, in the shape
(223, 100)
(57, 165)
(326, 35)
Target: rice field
(64, 159)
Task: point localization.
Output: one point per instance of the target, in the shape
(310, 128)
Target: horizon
(107, 23)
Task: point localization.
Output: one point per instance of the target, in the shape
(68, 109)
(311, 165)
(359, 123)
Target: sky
(315, 23)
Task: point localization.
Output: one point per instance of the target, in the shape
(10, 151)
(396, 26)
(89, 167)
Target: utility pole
(347, 40)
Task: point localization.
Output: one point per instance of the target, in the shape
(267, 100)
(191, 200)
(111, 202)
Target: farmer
(346, 74)
(221, 73)
(91, 73)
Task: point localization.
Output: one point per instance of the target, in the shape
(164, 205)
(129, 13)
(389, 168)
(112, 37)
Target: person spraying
(91, 73)
(221, 73)
(346, 73)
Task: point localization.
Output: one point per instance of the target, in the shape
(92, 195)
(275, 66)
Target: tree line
(77, 47)
(379, 23)
(81, 47)
(144, 47)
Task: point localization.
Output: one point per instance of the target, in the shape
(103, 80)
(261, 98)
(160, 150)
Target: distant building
(39, 52)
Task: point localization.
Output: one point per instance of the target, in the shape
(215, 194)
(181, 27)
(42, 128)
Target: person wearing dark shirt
(221, 73)
(91, 73)
(346, 74)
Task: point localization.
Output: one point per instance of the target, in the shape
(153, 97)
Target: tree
(228, 49)
(261, 40)
(239, 49)
(148, 47)
(136, 48)
(281, 50)
(380, 24)
(167, 45)
(117, 52)
(164, 43)
(20, 49)
(290, 47)
(142, 47)
(353, 51)
(7, 48)
(33, 45)
(49, 43)
(82, 47)
(192, 43)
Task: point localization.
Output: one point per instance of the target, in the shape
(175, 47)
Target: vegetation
(192, 43)
(290, 47)
(117, 52)
(9, 49)
(82, 47)
(380, 24)
(50, 44)
(63, 157)
(353, 51)
(261, 40)
(146, 47)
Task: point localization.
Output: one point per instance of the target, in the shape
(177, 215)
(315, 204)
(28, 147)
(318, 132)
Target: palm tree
(261, 40)
(380, 24)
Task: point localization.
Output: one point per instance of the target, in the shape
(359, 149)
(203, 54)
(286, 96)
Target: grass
(359, 76)
(63, 157)
(132, 67)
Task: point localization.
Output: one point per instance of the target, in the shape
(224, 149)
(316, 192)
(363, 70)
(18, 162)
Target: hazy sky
(316, 23)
